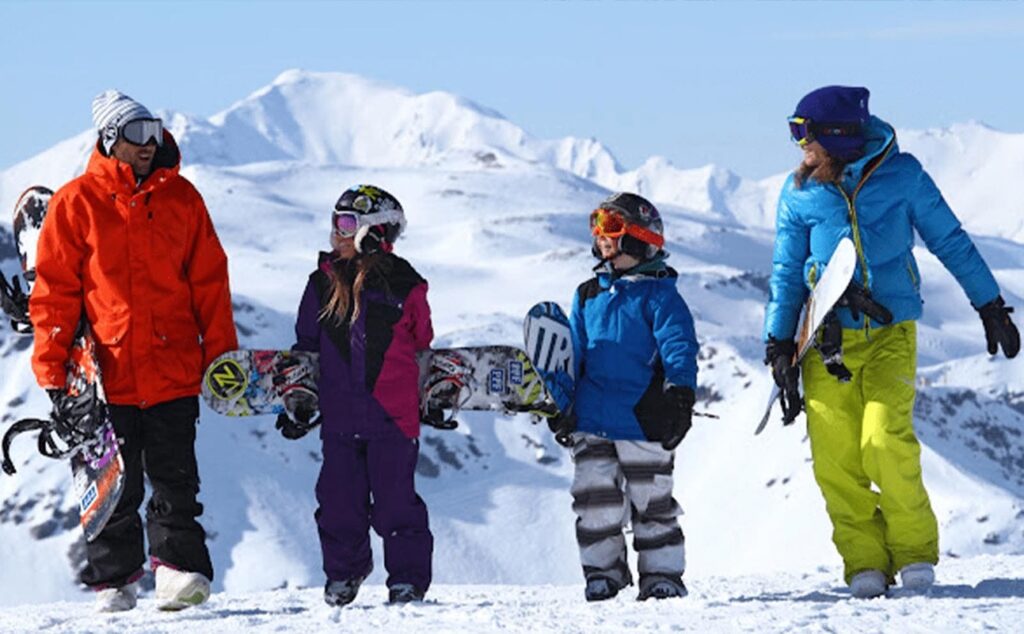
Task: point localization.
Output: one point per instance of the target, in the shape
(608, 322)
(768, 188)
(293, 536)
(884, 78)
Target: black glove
(779, 355)
(562, 426)
(999, 328)
(680, 407)
(858, 300)
(295, 429)
(76, 417)
(14, 302)
(434, 417)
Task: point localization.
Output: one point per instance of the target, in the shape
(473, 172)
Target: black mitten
(434, 417)
(295, 429)
(779, 355)
(680, 408)
(999, 328)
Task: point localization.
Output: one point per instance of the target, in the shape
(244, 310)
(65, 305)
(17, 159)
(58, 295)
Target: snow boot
(404, 593)
(868, 584)
(657, 586)
(339, 593)
(119, 599)
(179, 589)
(600, 589)
(917, 577)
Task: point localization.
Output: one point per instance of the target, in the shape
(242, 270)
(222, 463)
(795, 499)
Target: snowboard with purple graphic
(88, 439)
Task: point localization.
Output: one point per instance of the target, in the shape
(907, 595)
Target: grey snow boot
(918, 577)
(655, 586)
(600, 589)
(868, 584)
(404, 593)
(339, 593)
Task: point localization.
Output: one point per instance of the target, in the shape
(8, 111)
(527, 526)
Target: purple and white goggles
(143, 131)
(347, 223)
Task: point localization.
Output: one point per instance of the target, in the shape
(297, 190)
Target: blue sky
(696, 82)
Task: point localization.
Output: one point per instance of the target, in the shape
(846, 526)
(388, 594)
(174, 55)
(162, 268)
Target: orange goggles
(610, 224)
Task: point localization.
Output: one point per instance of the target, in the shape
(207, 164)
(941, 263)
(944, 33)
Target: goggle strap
(645, 235)
(389, 216)
(837, 129)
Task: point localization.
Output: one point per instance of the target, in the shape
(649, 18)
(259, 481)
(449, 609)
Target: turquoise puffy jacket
(632, 336)
(884, 197)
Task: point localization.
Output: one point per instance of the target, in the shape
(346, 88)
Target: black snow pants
(159, 442)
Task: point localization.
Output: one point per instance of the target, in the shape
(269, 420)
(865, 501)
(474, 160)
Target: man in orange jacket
(131, 244)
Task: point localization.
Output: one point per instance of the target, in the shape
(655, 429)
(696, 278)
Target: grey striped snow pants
(617, 482)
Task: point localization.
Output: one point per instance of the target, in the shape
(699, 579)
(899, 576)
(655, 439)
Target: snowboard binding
(75, 426)
(830, 338)
(449, 385)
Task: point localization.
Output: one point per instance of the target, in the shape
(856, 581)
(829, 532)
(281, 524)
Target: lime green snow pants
(862, 434)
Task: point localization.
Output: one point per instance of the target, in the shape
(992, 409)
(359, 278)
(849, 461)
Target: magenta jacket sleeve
(419, 310)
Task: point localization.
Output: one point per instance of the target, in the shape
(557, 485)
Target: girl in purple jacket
(365, 311)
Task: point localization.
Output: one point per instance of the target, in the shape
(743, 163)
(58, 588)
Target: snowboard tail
(548, 339)
(257, 382)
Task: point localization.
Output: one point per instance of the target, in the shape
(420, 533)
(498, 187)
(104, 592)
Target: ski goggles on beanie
(803, 130)
(347, 223)
(610, 224)
(142, 131)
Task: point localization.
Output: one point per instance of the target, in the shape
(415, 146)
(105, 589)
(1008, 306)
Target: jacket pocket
(915, 276)
(110, 332)
(176, 342)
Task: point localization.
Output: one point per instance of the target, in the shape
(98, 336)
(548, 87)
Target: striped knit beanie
(110, 110)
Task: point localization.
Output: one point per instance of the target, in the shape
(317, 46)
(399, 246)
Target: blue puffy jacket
(884, 197)
(632, 335)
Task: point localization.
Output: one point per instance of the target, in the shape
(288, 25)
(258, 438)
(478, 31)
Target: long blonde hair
(343, 294)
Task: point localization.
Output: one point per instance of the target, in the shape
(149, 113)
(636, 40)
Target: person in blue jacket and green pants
(854, 182)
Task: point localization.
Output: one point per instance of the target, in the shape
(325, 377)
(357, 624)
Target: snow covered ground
(497, 221)
(975, 594)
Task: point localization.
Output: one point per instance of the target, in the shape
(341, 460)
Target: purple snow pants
(369, 481)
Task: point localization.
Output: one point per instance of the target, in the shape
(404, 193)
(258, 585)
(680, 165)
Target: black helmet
(643, 233)
(379, 214)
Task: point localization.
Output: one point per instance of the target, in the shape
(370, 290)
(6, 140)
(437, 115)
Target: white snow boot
(917, 577)
(116, 599)
(868, 584)
(179, 589)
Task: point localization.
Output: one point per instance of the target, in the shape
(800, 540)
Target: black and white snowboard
(89, 441)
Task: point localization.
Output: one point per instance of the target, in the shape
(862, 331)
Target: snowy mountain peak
(340, 118)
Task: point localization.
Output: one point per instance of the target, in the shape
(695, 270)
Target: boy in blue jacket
(636, 369)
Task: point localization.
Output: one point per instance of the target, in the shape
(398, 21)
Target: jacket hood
(878, 136)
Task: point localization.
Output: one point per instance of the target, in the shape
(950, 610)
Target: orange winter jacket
(146, 266)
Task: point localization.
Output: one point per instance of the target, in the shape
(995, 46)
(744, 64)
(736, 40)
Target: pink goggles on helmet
(347, 223)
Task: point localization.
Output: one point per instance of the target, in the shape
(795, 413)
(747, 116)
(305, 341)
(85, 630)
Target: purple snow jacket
(369, 378)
